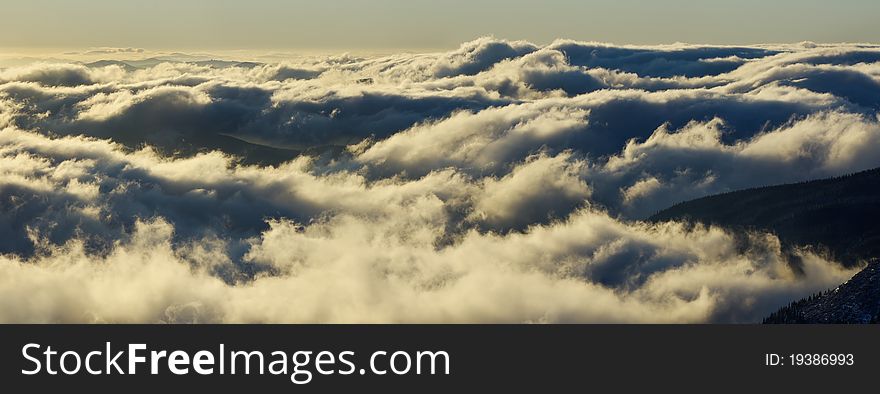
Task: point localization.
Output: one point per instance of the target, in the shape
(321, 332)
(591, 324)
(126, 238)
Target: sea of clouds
(499, 182)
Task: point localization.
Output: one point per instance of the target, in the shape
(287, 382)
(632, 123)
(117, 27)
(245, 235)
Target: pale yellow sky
(422, 24)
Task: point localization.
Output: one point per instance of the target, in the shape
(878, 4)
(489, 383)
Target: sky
(422, 24)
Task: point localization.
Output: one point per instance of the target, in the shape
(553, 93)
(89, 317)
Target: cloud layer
(502, 181)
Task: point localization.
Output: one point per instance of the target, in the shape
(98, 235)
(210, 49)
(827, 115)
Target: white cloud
(497, 182)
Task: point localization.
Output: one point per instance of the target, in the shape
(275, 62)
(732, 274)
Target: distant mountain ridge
(839, 215)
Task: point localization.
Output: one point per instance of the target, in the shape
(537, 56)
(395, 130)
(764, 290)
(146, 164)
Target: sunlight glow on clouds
(499, 182)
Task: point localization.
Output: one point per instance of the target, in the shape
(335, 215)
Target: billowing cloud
(502, 181)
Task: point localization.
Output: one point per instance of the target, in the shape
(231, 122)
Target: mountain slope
(841, 215)
(856, 301)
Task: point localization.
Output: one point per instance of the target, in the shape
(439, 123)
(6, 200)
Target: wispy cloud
(502, 181)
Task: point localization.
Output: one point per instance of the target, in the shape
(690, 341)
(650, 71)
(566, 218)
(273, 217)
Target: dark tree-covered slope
(841, 214)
